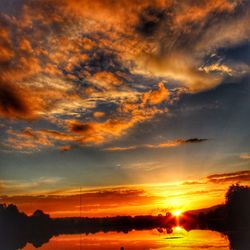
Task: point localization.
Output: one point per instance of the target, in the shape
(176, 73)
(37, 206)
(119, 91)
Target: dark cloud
(239, 176)
(12, 103)
(229, 177)
(102, 60)
(77, 127)
(194, 140)
(149, 21)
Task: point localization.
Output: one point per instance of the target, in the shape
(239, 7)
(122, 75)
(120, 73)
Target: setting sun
(177, 213)
(178, 228)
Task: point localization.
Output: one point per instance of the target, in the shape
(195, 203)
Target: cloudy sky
(146, 101)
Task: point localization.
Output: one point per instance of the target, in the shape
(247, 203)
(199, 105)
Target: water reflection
(161, 238)
(158, 239)
(139, 240)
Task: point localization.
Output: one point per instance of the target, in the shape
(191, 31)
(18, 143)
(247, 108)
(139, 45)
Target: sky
(143, 104)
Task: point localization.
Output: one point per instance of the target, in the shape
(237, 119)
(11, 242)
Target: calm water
(139, 240)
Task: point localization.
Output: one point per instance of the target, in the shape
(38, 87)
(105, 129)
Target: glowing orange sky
(133, 199)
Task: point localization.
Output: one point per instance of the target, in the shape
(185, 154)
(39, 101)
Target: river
(139, 240)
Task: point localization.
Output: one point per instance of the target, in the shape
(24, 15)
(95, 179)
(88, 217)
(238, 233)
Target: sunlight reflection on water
(139, 240)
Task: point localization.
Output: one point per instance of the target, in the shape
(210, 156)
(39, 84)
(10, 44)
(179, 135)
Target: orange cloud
(245, 156)
(199, 11)
(84, 52)
(163, 54)
(99, 132)
(5, 43)
(29, 139)
(106, 80)
(65, 148)
(120, 148)
(98, 114)
(155, 97)
(119, 15)
(82, 133)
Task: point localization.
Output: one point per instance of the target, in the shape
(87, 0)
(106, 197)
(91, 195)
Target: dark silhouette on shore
(233, 219)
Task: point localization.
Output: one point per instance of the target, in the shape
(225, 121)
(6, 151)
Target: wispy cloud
(24, 186)
(229, 177)
(175, 143)
(121, 148)
(166, 144)
(245, 156)
(238, 176)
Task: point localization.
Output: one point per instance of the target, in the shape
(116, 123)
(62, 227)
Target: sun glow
(178, 228)
(177, 213)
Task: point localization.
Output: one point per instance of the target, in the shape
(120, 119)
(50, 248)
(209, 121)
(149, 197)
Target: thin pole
(80, 216)
(80, 202)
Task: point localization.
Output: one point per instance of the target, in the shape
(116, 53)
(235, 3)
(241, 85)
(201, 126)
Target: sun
(177, 213)
(178, 228)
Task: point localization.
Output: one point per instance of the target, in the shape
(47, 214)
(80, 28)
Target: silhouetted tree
(238, 206)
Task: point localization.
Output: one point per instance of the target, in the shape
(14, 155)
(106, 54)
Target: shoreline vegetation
(232, 219)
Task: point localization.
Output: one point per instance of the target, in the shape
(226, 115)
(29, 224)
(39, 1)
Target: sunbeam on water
(139, 240)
